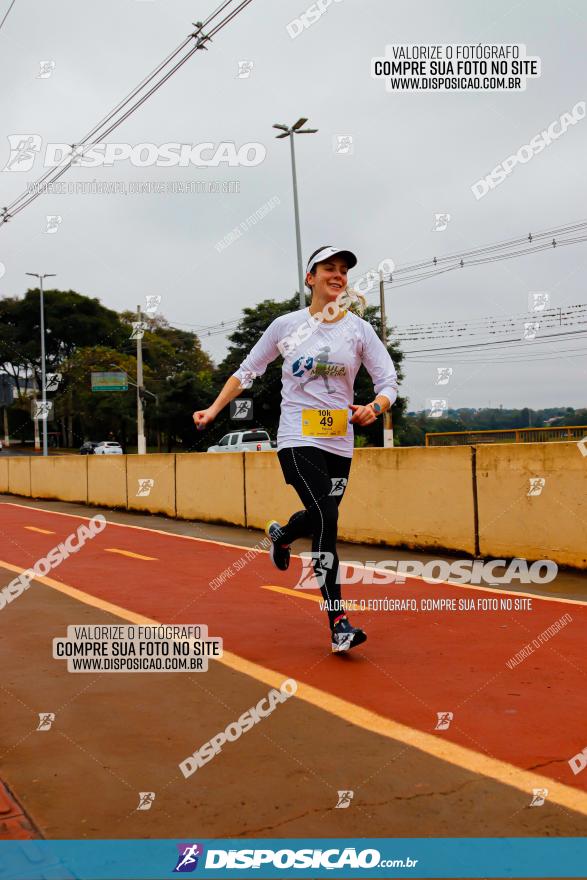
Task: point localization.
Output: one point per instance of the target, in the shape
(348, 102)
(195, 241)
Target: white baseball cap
(330, 251)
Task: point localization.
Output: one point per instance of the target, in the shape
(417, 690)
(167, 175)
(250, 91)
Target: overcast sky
(414, 155)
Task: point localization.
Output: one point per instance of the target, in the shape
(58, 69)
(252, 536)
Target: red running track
(413, 665)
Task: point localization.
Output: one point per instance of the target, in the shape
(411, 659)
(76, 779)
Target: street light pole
(43, 373)
(289, 132)
(297, 217)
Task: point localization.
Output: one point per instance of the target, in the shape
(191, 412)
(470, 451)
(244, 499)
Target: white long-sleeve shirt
(339, 347)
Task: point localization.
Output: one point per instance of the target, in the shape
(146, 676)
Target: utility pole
(387, 418)
(145, 391)
(6, 400)
(43, 375)
(6, 432)
(141, 444)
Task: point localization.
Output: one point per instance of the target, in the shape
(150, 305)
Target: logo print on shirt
(318, 368)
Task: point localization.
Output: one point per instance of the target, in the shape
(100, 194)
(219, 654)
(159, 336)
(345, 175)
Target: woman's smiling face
(330, 278)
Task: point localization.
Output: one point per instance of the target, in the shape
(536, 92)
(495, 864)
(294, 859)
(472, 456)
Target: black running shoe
(345, 636)
(278, 552)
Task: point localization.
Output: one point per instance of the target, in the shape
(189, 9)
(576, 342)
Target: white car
(243, 441)
(108, 447)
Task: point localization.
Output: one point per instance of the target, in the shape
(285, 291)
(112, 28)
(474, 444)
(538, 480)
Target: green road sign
(109, 382)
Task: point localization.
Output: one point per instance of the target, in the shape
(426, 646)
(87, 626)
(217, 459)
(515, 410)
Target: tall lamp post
(289, 131)
(43, 374)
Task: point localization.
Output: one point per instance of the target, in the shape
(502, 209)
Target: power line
(6, 15)
(200, 38)
(55, 174)
(495, 356)
(560, 242)
(508, 342)
(508, 243)
(463, 258)
(490, 319)
(508, 326)
(567, 353)
(558, 316)
(559, 313)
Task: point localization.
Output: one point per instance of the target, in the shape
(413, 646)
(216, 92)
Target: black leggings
(320, 479)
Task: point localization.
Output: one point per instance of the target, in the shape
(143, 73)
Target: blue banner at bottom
(304, 858)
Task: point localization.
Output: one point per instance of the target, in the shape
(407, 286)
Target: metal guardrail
(513, 435)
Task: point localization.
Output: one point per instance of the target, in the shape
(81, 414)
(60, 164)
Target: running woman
(323, 346)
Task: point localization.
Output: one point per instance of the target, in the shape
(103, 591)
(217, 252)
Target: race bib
(324, 422)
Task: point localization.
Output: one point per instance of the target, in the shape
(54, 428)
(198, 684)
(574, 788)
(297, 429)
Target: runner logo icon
(189, 856)
(46, 719)
(314, 568)
(538, 797)
(444, 719)
(338, 485)
(344, 799)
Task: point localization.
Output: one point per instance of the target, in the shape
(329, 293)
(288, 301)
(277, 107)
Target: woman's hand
(362, 415)
(204, 417)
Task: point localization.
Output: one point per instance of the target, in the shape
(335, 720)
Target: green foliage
(95, 415)
(71, 321)
(266, 390)
(83, 337)
(183, 393)
(416, 425)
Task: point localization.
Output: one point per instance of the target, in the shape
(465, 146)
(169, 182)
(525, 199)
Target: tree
(182, 394)
(266, 390)
(168, 350)
(71, 321)
(180, 374)
(95, 415)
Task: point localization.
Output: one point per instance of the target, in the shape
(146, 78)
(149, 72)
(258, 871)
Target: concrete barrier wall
(267, 494)
(19, 475)
(60, 476)
(107, 480)
(549, 525)
(416, 497)
(158, 498)
(210, 487)
(4, 474)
